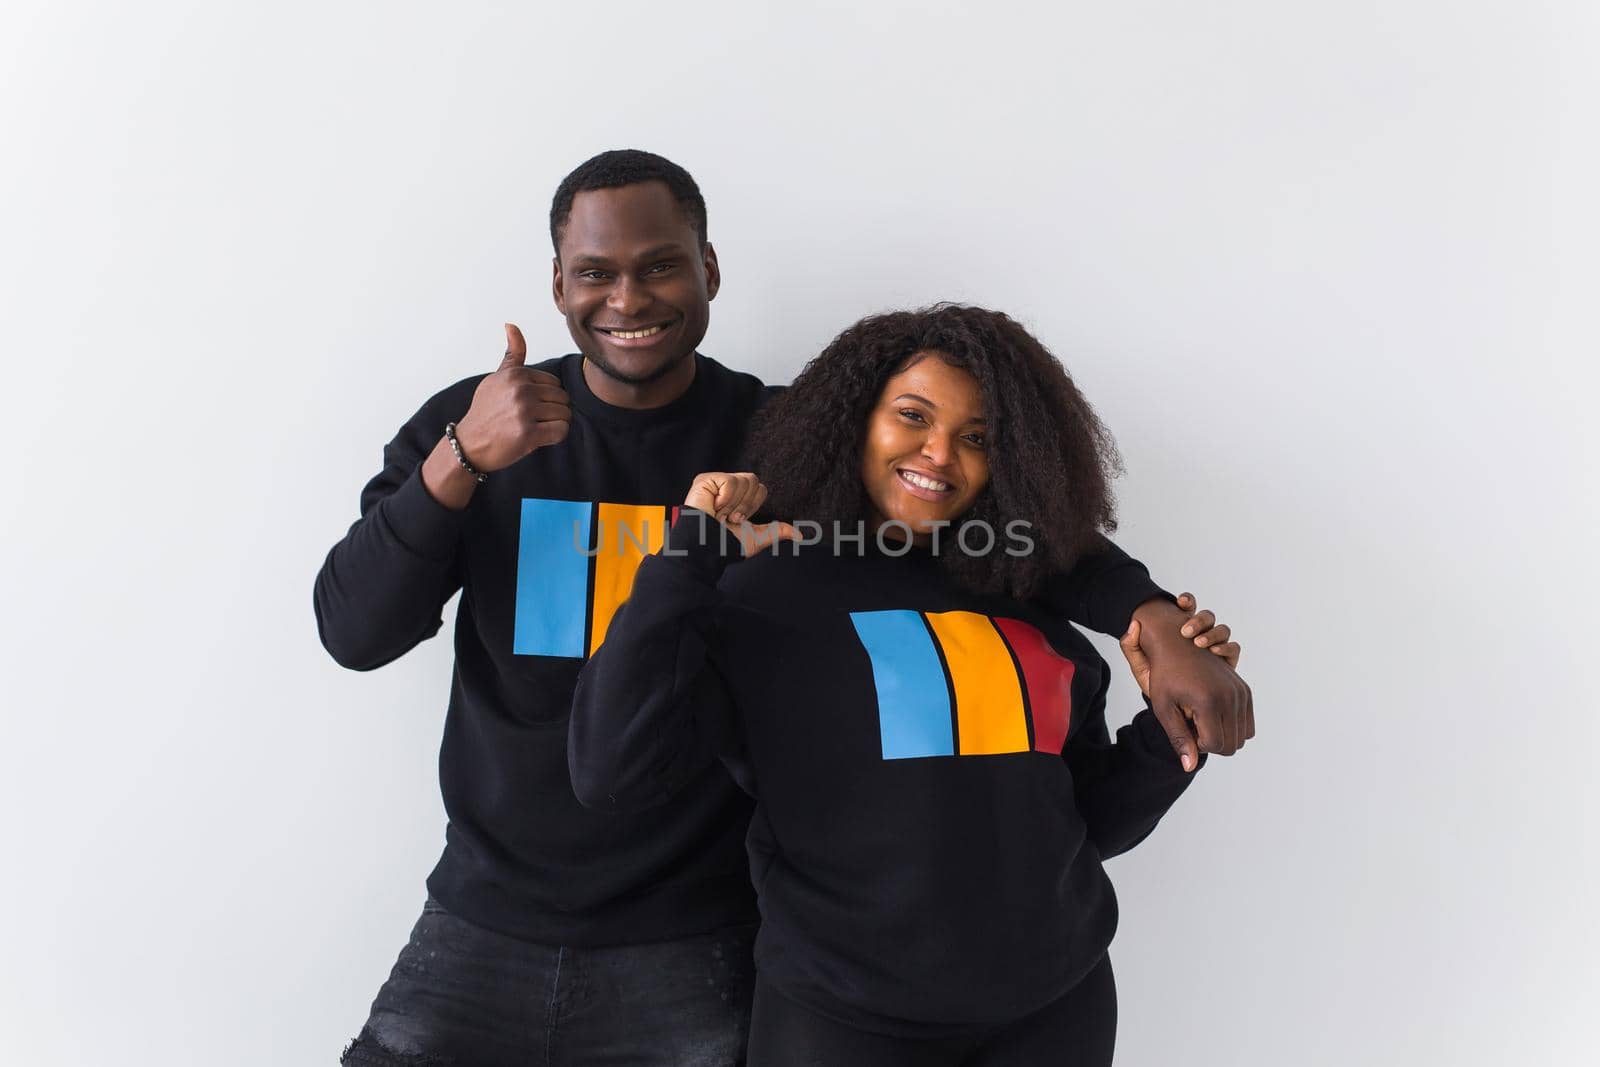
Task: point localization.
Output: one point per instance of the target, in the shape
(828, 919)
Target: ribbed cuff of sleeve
(421, 523)
(1153, 738)
(1115, 610)
(702, 543)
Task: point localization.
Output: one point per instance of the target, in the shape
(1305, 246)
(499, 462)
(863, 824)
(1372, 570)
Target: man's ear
(557, 285)
(713, 272)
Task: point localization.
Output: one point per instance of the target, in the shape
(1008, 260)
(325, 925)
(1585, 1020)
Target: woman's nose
(937, 449)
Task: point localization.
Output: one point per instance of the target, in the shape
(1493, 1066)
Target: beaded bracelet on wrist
(461, 458)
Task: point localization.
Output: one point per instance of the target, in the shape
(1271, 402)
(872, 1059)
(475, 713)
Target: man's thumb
(516, 348)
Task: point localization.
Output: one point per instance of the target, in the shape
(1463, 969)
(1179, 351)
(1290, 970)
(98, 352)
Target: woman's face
(923, 461)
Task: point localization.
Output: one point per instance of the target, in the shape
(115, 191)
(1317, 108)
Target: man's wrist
(445, 479)
(1160, 622)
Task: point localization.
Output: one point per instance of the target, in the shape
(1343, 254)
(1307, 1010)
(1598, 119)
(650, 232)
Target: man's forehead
(631, 220)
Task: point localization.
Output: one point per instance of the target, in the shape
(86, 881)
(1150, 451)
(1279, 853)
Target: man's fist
(514, 411)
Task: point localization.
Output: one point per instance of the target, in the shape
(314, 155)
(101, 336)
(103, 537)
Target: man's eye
(593, 275)
(660, 268)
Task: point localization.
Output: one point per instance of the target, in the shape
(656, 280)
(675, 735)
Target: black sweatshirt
(521, 855)
(935, 783)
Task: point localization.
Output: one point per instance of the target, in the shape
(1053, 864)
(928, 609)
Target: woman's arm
(1123, 788)
(651, 708)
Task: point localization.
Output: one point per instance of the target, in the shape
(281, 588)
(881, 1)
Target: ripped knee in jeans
(368, 1051)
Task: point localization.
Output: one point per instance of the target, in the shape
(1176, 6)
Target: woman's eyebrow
(931, 404)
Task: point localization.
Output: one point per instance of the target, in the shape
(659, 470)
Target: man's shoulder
(744, 388)
(729, 378)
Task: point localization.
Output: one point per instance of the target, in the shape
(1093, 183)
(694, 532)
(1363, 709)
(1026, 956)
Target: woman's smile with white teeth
(924, 482)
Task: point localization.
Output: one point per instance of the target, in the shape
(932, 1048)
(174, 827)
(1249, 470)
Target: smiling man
(552, 933)
(635, 278)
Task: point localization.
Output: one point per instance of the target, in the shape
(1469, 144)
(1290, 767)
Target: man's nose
(627, 297)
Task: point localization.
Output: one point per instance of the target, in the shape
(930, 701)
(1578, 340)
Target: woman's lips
(924, 491)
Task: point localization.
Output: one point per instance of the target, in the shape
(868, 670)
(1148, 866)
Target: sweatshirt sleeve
(651, 709)
(382, 589)
(1124, 787)
(1102, 590)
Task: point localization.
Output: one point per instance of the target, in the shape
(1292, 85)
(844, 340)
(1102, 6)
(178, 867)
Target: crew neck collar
(584, 399)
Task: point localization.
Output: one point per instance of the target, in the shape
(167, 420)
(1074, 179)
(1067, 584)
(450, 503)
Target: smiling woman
(634, 275)
(925, 739)
(957, 396)
(923, 461)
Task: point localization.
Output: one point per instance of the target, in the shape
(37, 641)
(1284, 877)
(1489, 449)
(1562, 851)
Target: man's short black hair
(627, 166)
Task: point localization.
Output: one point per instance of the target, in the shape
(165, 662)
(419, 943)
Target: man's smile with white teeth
(923, 482)
(630, 335)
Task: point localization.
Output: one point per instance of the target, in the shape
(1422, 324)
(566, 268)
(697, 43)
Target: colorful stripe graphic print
(575, 566)
(959, 683)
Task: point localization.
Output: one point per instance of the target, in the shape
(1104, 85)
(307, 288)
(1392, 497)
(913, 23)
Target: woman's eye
(977, 439)
(911, 414)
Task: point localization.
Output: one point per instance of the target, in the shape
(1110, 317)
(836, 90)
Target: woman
(924, 735)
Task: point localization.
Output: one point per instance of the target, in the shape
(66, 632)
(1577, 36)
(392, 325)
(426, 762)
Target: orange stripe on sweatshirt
(989, 715)
(628, 533)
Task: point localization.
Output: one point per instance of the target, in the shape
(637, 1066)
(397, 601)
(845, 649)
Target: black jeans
(1078, 1029)
(466, 996)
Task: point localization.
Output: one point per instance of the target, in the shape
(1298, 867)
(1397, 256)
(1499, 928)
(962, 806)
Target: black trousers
(1078, 1029)
(464, 996)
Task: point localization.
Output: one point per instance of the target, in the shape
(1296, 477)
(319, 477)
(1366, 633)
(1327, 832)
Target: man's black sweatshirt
(935, 783)
(535, 556)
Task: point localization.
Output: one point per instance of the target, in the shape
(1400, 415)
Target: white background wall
(1326, 268)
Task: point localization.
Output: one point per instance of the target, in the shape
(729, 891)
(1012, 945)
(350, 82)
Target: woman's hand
(1206, 632)
(731, 499)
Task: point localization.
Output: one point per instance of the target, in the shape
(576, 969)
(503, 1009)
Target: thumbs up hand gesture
(514, 411)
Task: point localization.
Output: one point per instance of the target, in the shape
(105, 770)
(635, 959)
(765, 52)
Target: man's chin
(634, 376)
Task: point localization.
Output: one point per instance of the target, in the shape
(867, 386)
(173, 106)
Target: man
(553, 933)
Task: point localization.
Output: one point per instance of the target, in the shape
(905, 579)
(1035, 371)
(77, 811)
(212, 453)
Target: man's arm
(1191, 689)
(1201, 702)
(1103, 590)
(382, 589)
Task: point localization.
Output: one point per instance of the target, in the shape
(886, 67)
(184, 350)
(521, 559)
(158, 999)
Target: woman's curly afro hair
(1051, 460)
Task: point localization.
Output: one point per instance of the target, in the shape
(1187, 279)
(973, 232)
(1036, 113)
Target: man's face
(633, 281)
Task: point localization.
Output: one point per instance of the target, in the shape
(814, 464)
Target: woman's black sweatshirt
(935, 783)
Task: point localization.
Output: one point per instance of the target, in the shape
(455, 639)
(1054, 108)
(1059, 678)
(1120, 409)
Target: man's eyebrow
(594, 259)
(931, 404)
